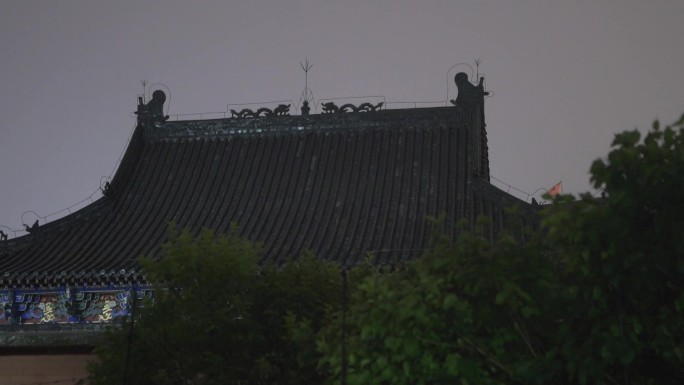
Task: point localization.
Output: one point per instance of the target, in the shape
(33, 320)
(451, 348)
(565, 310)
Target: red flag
(556, 189)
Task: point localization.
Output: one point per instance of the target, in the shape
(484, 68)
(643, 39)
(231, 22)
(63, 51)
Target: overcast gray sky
(565, 76)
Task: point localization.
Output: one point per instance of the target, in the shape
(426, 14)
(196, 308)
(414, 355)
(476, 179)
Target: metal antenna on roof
(477, 69)
(307, 95)
(144, 85)
(306, 67)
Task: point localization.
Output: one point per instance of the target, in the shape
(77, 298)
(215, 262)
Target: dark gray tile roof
(340, 185)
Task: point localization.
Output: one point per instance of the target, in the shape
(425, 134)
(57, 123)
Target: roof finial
(153, 111)
(307, 95)
(468, 92)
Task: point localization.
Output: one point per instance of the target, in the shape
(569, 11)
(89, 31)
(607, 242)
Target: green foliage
(221, 318)
(595, 297)
(623, 259)
(465, 311)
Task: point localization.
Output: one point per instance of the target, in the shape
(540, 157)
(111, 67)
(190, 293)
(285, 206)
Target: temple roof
(341, 185)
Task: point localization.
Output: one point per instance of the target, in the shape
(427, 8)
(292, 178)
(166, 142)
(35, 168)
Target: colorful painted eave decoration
(69, 305)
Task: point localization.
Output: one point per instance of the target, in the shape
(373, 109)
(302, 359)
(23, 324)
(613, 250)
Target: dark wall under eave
(45, 368)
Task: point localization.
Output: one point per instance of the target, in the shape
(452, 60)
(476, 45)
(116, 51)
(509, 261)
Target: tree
(623, 258)
(594, 296)
(466, 310)
(219, 317)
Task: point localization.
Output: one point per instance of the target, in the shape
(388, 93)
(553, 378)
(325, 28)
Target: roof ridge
(217, 128)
